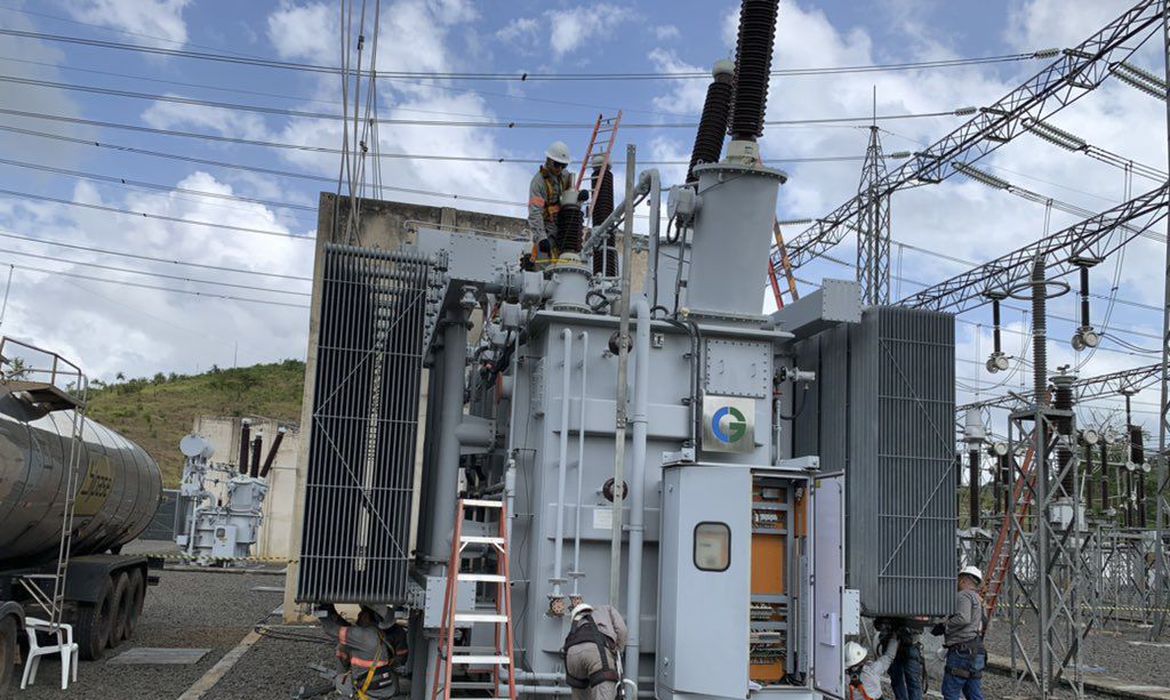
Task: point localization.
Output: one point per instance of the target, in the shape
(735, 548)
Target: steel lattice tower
(873, 226)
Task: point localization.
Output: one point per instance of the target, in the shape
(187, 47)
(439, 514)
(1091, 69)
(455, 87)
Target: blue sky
(112, 328)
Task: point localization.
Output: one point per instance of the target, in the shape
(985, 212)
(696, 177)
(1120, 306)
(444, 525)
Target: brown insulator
(1039, 331)
(753, 65)
(713, 124)
(605, 259)
(1063, 401)
(257, 445)
(272, 453)
(569, 220)
(245, 441)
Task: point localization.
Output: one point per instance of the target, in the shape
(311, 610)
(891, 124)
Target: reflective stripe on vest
(552, 194)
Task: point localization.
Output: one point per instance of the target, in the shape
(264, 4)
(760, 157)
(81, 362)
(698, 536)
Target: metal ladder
(502, 655)
(54, 398)
(785, 267)
(1008, 535)
(604, 126)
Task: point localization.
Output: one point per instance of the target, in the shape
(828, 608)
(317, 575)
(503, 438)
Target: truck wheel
(93, 625)
(137, 600)
(7, 653)
(122, 605)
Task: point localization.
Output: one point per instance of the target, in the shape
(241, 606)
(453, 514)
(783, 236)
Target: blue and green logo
(730, 430)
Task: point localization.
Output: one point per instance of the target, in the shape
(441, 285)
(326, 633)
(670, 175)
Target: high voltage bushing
(605, 258)
(569, 220)
(1039, 332)
(753, 64)
(713, 124)
(1063, 401)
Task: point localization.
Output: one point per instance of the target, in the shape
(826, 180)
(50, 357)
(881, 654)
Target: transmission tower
(873, 226)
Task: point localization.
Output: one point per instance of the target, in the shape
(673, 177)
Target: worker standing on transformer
(865, 677)
(544, 199)
(593, 651)
(907, 673)
(963, 630)
(372, 651)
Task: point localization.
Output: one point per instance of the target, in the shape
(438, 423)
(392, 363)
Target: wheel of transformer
(91, 628)
(137, 600)
(8, 632)
(123, 603)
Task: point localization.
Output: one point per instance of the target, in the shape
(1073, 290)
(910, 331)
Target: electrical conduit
(562, 461)
(641, 309)
(576, 573)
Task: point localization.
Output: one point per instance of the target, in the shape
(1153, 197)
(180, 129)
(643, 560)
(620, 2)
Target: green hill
(156, 413)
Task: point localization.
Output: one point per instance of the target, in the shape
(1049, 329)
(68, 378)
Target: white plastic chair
(65, 646)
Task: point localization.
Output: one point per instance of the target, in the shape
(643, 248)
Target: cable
(524, 76)
(112, 268)
(136, 256)
(559, 126)
(150, 215)
(325, 149)
(208, 295)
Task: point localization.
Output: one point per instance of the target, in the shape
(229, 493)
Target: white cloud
(575, 27)
(158, 20)
(664, 32)
(304, 31)
(520, 29)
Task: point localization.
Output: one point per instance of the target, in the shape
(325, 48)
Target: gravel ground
(186, 609)
(278, 666)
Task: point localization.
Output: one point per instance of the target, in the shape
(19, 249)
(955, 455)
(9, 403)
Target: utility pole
(873, 224)
(1161, 596)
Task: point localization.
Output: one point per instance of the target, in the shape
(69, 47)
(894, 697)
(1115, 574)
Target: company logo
(730, 430)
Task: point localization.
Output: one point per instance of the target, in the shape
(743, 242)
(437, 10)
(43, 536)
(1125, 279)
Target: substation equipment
(743, 561)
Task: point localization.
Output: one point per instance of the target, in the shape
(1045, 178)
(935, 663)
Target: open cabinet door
(829, 584)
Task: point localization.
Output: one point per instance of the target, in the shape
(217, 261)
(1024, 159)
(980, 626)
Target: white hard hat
(581, 609)
(558, 152)
(973, 572)
(854, 654)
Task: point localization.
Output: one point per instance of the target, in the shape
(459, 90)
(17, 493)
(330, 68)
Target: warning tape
(1111, 608)
(172, 556)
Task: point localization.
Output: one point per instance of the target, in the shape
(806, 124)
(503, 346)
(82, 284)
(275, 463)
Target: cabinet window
(712, 546)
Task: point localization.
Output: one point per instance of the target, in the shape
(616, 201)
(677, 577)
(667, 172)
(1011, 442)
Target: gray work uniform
(966, 623)
(870, 675)
(584, 660)
(369, 654)
(544, 201)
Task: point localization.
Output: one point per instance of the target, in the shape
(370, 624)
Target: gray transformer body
(120, 485)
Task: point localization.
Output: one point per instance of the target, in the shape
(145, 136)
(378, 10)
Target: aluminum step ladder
(500, 658)
(780, 259)
(605, 128)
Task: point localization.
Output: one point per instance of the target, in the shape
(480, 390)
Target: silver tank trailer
(120, 485)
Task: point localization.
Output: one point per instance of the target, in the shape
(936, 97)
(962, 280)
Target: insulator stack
(1063, 401)
(569, 220)
(713, 124)
(605, 259)
(753, 64)
(1039, 332)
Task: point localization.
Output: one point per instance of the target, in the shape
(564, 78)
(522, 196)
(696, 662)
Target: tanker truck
(118, 487)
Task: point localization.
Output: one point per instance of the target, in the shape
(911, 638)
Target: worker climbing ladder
(48, 394)
(499, 658)
(781, 257)
(605, 129)
(1009, 535)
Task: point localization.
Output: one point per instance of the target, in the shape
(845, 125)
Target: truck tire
(93, 624)
(137, 600)
(122, 605)
(8, 632)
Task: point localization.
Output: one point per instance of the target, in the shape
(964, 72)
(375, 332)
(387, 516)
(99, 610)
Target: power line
(209, 295)
(324, 149)
(150, 215)
(521, 76)
(328, 116)
(114, 268)
(148, 258)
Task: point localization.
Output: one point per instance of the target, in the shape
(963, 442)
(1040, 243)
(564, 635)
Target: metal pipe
(562, 461)
(639, 193)
(576, 573)
(619, 462)
(641, 309)
(445, 474)
(655, 196)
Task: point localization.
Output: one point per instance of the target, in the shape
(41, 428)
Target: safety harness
(554, 186)
(973, 648)
(856, 686)
(587, 632)
(379, 673)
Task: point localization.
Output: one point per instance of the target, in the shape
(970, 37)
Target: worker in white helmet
(544, 198)
(593, 651)
(865, 677)
(963, 630)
